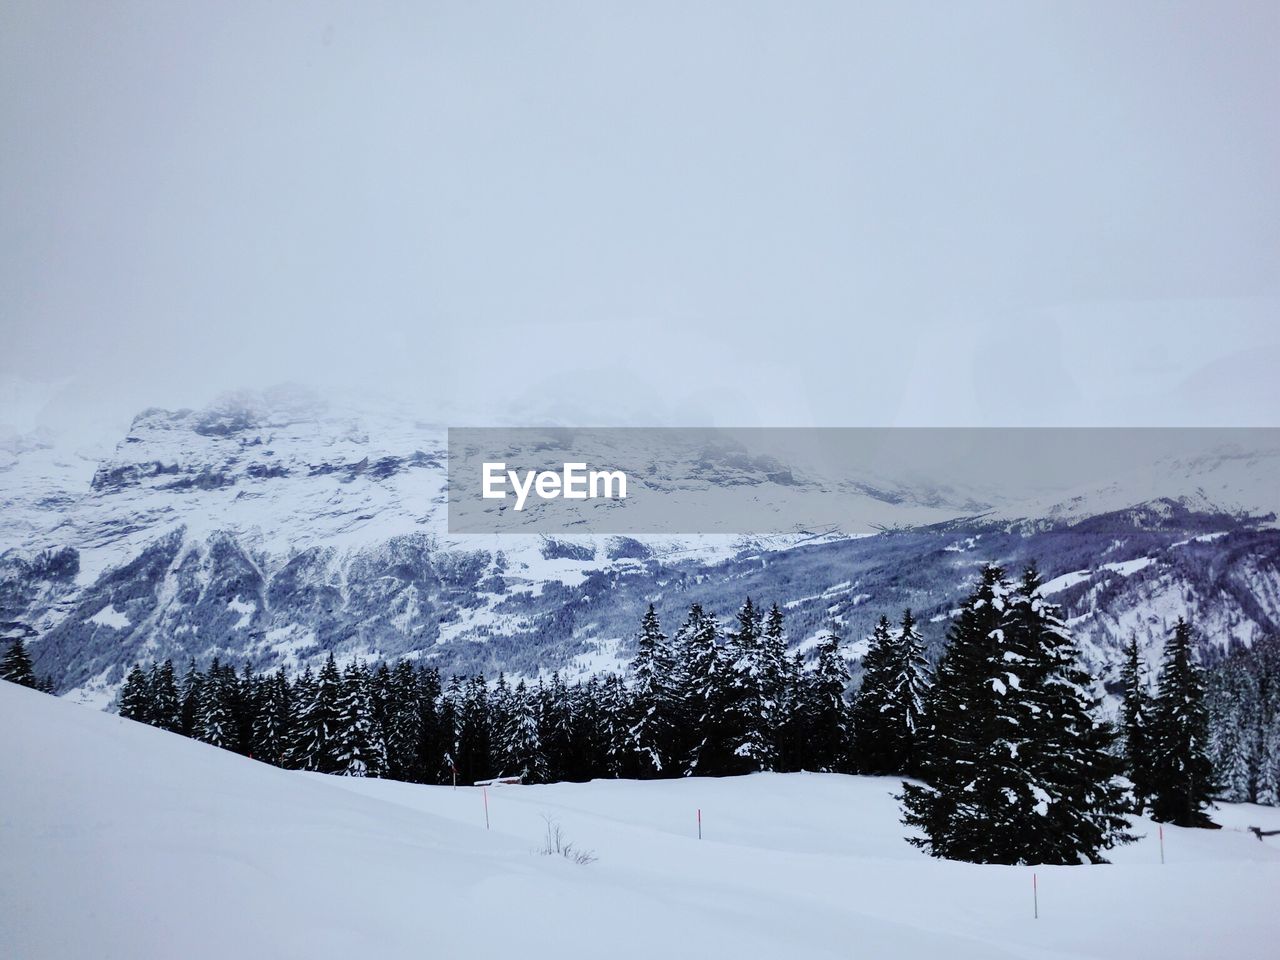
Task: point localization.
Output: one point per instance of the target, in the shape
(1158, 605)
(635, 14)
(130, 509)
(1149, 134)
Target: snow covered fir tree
(15, 666)
(654, 702)
(1182, 780)
(890, 707)
(1135, 719)
(1013, 760)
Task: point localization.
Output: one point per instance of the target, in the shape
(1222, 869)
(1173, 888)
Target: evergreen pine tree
(1182, 781)
(436, 731)
(135, 696)
(1006, 801)
(1135, 716)
(166, 704)
(650, 731)
(402, 718)
(192, 681)
(829, 722)
(584, 748)
(775, 677)
(910, 691)
(557, 715)
(500, 707)
(1068, 750)
(315, 739)
(474, 751)
(958, 721)
(961, 729)
(270, 741)
(15, 666)
(890, 706)
(451, 699)
(215, 714)
(695, 657)
(793, 728)
(521, 746)
(246, 696)
(382, 695)
(716, 704)
(745, 698)
(360, 750)
(1019, 769)
(615, 709)
(873, 711)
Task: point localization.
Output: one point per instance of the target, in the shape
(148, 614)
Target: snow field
(120, 840)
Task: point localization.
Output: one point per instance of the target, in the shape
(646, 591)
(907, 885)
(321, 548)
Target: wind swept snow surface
(119, 840)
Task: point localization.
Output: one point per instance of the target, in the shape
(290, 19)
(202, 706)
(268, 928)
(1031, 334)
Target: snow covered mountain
(273, 528)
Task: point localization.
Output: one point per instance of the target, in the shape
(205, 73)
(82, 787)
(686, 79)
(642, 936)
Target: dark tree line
(706, 701)
(1244, 722)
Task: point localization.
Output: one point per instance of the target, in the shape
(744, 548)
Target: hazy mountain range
(276, 527)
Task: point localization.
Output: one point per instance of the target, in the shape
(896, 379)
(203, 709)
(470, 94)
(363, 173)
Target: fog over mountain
(738, 214)
(274, 528)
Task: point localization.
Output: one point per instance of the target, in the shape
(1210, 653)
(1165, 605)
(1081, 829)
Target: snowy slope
(121, 841)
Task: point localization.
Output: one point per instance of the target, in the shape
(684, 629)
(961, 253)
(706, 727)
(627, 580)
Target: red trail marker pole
(1035, 897)
(699, 823)
(1162, 843)
(485, 791)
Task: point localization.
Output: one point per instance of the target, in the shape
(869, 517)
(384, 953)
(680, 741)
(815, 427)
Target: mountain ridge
(275, 528)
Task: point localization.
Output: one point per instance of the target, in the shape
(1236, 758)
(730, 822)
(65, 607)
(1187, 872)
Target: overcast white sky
(730, 213)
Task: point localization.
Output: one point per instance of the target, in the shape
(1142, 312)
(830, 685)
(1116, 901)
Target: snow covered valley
(120, 840)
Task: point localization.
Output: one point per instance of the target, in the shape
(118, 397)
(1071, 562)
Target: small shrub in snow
(554, 844)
